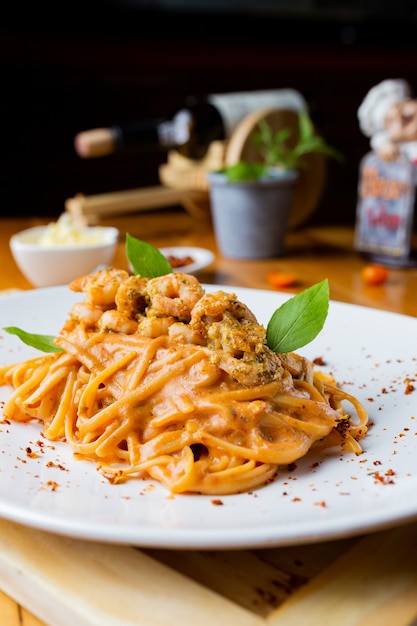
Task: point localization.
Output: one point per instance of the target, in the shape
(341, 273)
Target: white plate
(326, 496)
(202, 258)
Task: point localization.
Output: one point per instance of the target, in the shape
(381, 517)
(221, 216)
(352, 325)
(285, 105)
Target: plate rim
(181, 538)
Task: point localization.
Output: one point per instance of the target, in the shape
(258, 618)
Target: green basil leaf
(41, 342)
(145, 259)
(299, 320)
(244, 171)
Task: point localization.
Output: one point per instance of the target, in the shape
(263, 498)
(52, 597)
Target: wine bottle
(191, 129)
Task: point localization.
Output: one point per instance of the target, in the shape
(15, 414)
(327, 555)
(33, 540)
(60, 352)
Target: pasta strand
(167, 383)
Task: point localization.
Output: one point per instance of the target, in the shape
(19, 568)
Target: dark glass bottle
(190, 130)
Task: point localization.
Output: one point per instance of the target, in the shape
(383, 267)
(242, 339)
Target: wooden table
(355, 581)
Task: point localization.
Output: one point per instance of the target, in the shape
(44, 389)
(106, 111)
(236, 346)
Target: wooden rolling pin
(90, 208)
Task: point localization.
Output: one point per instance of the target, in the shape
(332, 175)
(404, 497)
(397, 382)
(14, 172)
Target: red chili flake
(53, 486)
(409, 387)
(217, 502)
(296, 499)
(57, 465)
(176, 261)
(112, 478)
(31, 454)
(384, 479)
(322, 504)
(319, 361)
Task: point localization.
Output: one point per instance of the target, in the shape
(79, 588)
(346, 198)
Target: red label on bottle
(385, 206)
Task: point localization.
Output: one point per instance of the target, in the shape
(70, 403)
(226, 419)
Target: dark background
(67, 67)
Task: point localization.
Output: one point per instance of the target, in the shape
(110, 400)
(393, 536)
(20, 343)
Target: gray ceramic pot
(250, 218)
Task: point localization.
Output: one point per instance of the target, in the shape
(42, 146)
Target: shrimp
(232, 331)
(298, 366)
(132, 298)
(213, 306)
(116, 322)
(100, 287)
(155, 326)
(252, 369)
(86, 314)
(227, 323)
(182, 333)
(174, 295)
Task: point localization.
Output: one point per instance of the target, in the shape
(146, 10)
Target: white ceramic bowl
(58, 264)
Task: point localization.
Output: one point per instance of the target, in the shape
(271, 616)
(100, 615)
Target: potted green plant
(251, 200)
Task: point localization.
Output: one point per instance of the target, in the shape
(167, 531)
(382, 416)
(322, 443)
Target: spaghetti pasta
(157, 379)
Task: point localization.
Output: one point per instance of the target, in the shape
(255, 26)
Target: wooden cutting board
(66, 582)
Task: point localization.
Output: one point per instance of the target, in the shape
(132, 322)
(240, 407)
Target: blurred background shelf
(90, 64)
